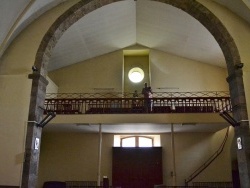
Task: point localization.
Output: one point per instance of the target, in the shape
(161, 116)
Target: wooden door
(137, 167)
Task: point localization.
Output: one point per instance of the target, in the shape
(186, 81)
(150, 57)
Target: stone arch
(192, 7)
(79, 10)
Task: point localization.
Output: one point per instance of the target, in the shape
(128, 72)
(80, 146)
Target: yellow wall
(166, 69)
(169, 71)
(130, 62)
(13, 121)
(15, 65)
(100, 72)
(74, 156)
(51, 87)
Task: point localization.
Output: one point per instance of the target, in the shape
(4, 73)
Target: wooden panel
(137, 167)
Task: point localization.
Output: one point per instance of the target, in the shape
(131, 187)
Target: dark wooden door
(137, 167)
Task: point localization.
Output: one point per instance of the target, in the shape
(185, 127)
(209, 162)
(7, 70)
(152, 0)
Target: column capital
(236, 74)
(38, 77)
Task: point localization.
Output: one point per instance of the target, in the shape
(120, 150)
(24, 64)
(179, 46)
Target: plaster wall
(166, 69)
(103, 72)
(74, 156)
(224, 159)
(51, 87)
(15, 65)
(183, 75)
(13, 122)
(141, 61)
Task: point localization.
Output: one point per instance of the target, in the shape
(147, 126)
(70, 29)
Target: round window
(136, 75)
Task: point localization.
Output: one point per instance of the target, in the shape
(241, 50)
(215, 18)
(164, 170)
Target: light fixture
(136, 75)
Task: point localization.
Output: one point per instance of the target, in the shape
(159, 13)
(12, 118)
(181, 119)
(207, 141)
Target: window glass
(145, 142)
(137, 141)
(128, 142)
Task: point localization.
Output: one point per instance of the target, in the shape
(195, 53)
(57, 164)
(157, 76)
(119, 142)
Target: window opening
(137, 141)
(124, 140)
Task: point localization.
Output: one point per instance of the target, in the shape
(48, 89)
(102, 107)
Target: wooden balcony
(123, 103)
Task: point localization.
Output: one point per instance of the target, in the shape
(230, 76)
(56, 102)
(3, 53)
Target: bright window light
(145, 142)
(137, 141)
(128, 142)
(136, 75)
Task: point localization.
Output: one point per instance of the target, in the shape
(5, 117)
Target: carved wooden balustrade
(123, 103)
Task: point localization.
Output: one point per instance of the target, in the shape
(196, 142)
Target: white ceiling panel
(151, 24)
(239, 7)
(20, 13)
(9, 13)
(169, 29)
(107, 29)
(122, 24)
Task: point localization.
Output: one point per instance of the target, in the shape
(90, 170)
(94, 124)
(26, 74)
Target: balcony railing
(130, 95)
(118, 103)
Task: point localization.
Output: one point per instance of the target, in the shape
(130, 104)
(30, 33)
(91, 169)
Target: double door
(137, 167)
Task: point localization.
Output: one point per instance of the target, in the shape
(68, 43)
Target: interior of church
(131, 94)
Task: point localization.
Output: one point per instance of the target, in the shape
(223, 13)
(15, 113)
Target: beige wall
(51, 87)
(74, 156)
(130, 62)
(166, 69)
(175, 72)
(15, 65)
(13, 121)
(100, 72)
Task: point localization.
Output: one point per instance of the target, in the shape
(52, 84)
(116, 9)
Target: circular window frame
(133, 71)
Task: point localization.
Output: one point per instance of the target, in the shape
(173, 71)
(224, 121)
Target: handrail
(137, 105)
(129, 94)
(209, 161)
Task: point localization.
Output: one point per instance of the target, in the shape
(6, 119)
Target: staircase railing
(209, 161)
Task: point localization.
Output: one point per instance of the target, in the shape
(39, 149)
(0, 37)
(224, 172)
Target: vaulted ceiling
(118, 26)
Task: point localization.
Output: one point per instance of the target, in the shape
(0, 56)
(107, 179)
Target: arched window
(152, 140)
(137, 141)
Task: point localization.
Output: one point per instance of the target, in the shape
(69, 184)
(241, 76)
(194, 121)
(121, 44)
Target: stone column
(33, 136)
(240, 114)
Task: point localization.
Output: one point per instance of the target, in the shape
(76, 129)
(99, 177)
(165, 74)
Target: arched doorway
(193, 8)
